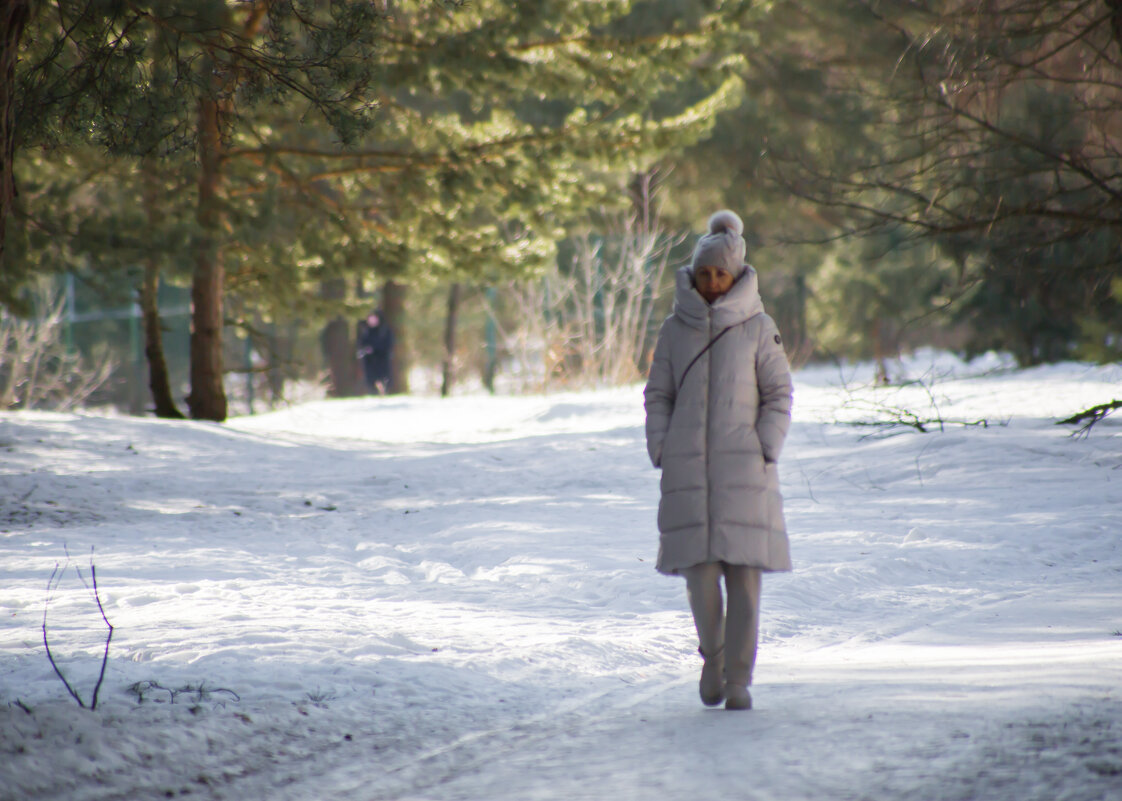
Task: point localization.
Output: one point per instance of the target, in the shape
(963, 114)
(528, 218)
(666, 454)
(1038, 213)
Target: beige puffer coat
(717, 431)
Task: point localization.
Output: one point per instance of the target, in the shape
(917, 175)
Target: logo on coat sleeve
(778, 341)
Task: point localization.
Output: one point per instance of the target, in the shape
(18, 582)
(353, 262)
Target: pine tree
(991, 129)
(13, 19)
(415, 140)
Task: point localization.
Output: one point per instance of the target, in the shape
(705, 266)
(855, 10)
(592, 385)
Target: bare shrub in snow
(37, 370)
(589, 323)
(868, 408)
(52, 585)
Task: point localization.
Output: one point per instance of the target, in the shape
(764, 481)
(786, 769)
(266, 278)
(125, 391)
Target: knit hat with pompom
(723, 246)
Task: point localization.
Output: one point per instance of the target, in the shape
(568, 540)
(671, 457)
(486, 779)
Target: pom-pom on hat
(723, 246)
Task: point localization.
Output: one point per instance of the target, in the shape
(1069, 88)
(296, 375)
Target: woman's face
(712, 282)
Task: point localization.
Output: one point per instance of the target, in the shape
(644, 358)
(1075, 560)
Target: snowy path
(416, 599)
(887, 731)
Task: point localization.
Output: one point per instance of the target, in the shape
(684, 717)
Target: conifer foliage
(991, 129)
(315, 139)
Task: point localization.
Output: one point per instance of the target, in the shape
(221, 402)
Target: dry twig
(1091, 416)
(52, 584)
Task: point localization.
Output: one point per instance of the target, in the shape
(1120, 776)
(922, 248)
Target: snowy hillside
(416, 598)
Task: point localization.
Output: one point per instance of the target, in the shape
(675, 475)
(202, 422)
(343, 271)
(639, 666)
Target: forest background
(201, 199)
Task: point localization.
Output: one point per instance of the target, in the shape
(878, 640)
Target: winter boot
(738, 697)
(712, 684)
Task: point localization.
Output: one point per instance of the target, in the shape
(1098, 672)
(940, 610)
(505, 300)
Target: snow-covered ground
(416, 598)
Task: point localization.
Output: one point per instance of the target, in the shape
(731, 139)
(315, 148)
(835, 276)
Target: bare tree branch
(1089, 417)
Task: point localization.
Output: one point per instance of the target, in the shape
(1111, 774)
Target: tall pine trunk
(207, 400)
(393, 313)
(450, 340)
(13, 18)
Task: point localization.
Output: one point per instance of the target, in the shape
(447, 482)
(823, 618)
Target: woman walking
(718, 403)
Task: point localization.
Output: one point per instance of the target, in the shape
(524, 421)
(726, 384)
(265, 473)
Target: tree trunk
(13, 18)
(149, 293)
(393, 313)
(207, 400)
(801, 332)
(279, 354)
(153, 344)
(338, 346)
(490, 337)
(879, 356)
(450, 340)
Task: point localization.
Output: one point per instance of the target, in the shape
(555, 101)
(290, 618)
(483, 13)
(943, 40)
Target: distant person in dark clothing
(375, 348)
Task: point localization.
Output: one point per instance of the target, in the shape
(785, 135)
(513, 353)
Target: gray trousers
(737, 631)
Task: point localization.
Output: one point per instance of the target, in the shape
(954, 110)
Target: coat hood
(737, 305)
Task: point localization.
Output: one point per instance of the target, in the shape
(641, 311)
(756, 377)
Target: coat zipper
(708, 481)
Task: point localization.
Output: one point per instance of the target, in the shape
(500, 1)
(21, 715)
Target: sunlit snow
(424, 598)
